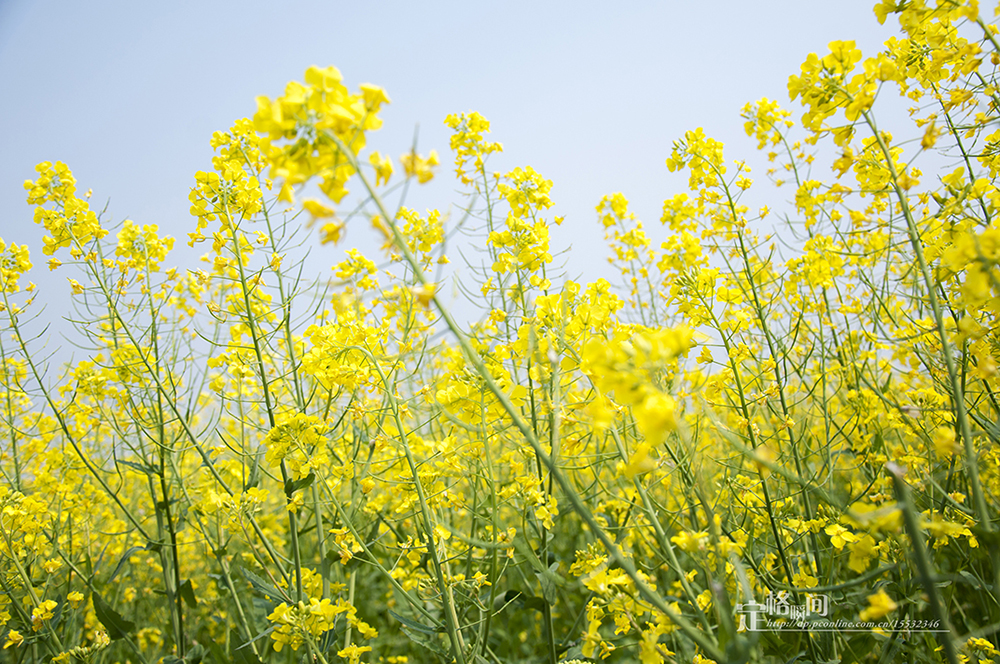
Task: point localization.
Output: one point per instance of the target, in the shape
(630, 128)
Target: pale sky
(590, 94)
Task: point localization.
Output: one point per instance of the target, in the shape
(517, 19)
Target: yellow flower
(316, 210)
(424, 294)
(862, 551)
(945, 443)
(690, 542)
(705, 357)
(352, 653)
(42, 613)
(640, 462)
(982, 645)
(420, 167)
(879, 605)
(383, 167)
(14, 638)
(930, 136)
(803, 579)
(469, 144)
(654, 417)
(331, 232)
(839, 536)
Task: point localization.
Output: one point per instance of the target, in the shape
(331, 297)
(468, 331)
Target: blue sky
(589, 94)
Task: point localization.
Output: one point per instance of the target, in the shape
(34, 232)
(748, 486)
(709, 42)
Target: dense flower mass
(774, 420)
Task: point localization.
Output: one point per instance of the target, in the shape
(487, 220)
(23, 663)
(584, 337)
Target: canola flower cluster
(247, 467)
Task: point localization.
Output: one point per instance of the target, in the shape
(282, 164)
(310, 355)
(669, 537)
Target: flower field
(774, 437)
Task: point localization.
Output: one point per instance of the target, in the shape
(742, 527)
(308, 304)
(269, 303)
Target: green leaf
(505, 598)
(424, 640)
(262, 587)
(575, 651)
(141, 467)
(241, 654)
(548, 587)
(536, 603)
(414, 625)
(246, 646)
(117, 626)
(195, 654)
(187, 594)
(291, 487)
(858, 648)
(218, 652)
(121, 563)
(254, 478)
(181, 521)
(525, 549)
(329, 643)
